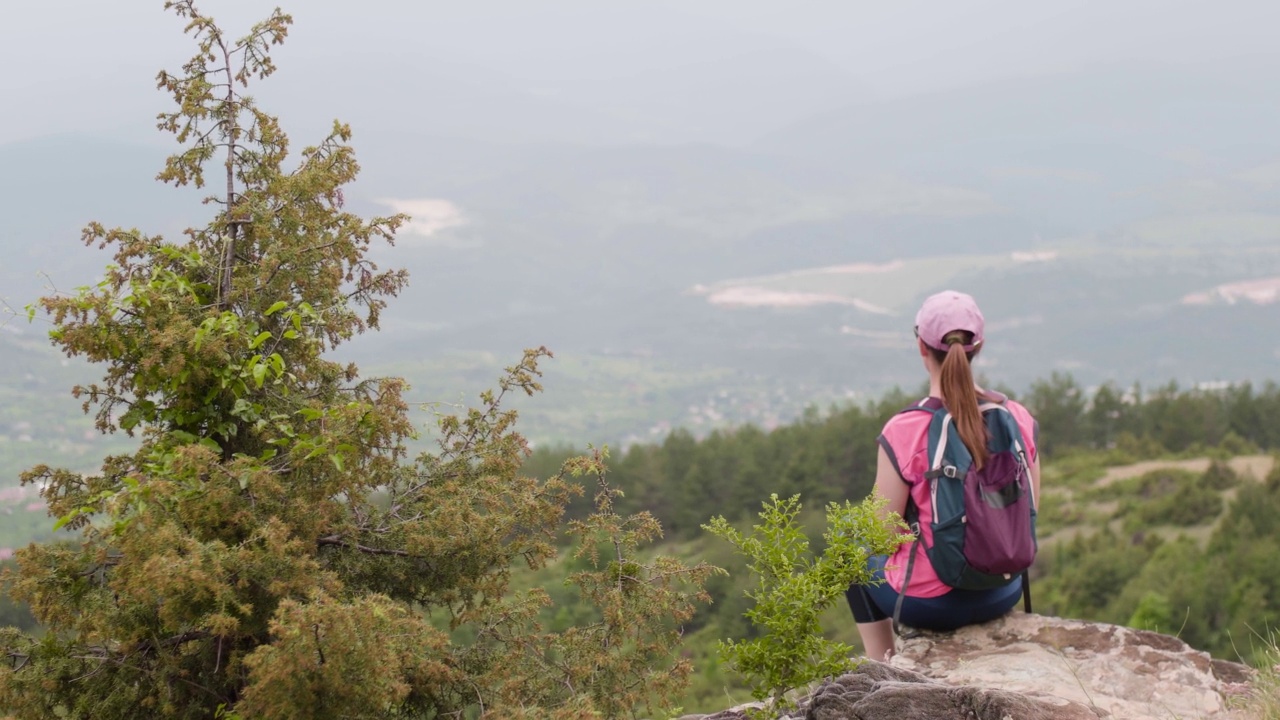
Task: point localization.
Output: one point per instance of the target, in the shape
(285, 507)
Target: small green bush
(1153, 613)
(1189, 505)
(795, 587)
(1149, 486)
(1219, 476)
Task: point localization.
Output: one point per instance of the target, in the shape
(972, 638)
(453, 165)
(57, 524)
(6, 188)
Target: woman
(949, 332)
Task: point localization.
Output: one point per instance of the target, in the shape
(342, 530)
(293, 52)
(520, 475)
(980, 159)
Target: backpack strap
(936, 470)
(906, 583)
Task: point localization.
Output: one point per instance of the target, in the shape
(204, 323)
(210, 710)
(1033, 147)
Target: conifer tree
(270, 549)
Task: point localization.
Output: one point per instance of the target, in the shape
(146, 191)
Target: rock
(1116, 671)
(1031, 667)
(876, 690)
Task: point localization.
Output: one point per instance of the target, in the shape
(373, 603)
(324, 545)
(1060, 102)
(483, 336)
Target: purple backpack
(984, 521)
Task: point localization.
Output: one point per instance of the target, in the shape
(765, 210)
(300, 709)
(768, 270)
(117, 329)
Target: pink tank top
(905, 439)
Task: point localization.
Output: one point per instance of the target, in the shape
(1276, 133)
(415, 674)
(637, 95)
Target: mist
(683, 198)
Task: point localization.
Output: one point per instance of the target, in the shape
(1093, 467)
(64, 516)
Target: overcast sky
(87, 65)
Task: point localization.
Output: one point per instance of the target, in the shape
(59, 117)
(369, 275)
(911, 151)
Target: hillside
(1147, 533)
(1108, 500)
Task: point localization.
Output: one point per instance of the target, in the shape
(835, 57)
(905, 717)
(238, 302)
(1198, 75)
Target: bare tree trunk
(233, 223)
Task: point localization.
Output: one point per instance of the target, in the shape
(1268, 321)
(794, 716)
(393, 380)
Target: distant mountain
(1087, 213)
(1076, 152)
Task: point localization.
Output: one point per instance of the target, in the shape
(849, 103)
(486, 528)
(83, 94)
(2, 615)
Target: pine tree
(270, 549)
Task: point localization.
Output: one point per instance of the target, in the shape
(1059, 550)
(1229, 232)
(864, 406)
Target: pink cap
(945, 312)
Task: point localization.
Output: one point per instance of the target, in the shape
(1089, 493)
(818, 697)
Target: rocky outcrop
(885, 691)
(1031, 667)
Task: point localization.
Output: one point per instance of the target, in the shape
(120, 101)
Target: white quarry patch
(747, 296)
(1033, 172)
(878, 338)
(1265, 291)
(428, 216)
(889, 335)
(857, 268)
(1034, 256)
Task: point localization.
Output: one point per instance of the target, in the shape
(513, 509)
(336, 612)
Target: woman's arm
(890, 485)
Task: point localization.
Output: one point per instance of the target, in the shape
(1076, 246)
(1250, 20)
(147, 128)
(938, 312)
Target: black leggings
(874, 601)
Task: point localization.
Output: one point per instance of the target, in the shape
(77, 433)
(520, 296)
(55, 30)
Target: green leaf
(276, 308)
(62, 521)
(183, 436)
(261, 338)
(259, 374)
(244, 409)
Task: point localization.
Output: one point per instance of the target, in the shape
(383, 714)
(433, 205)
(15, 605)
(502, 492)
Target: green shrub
(794, 588)
(1189, 505)
(1219, 476)
(1151, 485)
(1154, 613)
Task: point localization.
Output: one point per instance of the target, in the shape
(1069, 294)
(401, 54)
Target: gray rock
(1031, 667)
(1116, 671)
(876, 690)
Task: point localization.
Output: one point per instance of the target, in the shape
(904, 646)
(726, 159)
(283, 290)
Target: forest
(1184, 552)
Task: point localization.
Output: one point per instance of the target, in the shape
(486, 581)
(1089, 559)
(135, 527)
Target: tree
(1104, 416)
(1058, 404)
(270, 550)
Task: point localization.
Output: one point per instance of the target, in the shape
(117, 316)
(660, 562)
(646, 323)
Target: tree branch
(336, 540)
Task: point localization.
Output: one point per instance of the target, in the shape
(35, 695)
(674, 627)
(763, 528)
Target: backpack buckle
(950, 471)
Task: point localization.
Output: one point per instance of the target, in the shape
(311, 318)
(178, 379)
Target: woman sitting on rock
(998, 463)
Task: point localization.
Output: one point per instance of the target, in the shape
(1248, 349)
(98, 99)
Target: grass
(1264, 704)
(1262, 701)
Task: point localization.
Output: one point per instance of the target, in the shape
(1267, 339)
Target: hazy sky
(87, 65)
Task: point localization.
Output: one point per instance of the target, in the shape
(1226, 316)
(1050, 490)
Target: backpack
(984, 521)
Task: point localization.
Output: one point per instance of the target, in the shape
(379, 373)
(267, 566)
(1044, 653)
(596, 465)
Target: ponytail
(961, 397)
